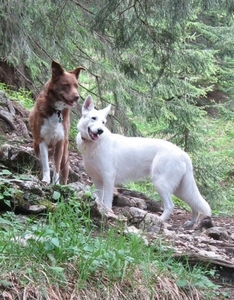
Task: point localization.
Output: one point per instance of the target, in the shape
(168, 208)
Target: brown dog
(50, 121)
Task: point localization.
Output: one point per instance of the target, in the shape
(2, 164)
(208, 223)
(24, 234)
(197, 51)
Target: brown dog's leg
(65, 163)
(36, 148)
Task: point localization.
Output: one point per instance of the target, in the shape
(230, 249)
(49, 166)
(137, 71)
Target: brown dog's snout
(76, 98)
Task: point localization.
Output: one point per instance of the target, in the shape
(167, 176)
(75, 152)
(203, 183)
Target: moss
(50, 206)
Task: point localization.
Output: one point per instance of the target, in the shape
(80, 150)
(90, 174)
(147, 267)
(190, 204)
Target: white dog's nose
(100, 131)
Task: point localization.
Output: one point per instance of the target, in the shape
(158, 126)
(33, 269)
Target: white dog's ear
(88, 104)
(106, 110)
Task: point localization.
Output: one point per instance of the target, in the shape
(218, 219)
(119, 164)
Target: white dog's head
(92, 123)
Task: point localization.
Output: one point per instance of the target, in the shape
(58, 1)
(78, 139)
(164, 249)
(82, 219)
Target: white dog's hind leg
(165, 194)
(190, 223)
(168, 206)
(45, 162)
(167, 173)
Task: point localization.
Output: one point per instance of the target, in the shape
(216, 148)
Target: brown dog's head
(63, 86)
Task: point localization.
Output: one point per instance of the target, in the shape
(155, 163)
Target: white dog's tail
(188, 192)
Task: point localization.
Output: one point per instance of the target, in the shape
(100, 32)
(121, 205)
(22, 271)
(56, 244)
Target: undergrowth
(65, 248)
(22, 96)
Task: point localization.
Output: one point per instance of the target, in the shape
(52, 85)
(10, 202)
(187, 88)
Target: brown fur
(63, 87)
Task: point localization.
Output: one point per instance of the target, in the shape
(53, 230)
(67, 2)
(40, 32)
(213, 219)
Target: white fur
(52, 132)
(60, 105)
(113, 159)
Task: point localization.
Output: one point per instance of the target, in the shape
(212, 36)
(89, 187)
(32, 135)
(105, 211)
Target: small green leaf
(25, 177)
(7, 202)
(6, 194)
(56, 195)
(6, 172)
(57, 269)
(55, 242)
(5, 222)
(182, 283)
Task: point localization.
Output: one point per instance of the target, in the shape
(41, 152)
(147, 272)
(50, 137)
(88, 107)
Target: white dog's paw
(189, 224)
(167, 213)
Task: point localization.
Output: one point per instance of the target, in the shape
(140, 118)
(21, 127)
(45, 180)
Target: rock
(7, 114)
(8, 119)
(32, 185)
(134, 231)
(19, 158)
(230, 250)
(205, 223)
(121, 200)
(151, 205)
(37, 209)
(98, 210)
(6, 104)
(217, 233)
(23, 241)
(209, 254)
(78, 186)
(146, 221)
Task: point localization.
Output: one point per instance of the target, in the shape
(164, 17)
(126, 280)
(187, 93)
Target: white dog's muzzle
(93, 135)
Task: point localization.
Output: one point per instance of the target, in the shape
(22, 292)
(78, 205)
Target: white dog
(112, 159)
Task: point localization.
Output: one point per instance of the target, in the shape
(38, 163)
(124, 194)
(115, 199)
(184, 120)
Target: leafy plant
(9, 194)
(60, 248)
(22, 96)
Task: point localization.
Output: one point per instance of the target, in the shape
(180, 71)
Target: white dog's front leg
(45, 162)
(107, 195)
(99, 190)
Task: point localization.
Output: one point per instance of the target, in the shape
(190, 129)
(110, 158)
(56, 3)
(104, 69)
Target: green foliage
(196, 278)
(22, 96)
(8, 194)
(65, 246)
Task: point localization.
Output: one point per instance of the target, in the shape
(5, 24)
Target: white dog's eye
(94, 118)
(103, 122)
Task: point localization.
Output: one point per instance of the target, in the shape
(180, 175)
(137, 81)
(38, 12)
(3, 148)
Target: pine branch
(84, 8)
(28, 80)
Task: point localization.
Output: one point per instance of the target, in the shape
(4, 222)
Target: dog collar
(60, 116)
(59, 113)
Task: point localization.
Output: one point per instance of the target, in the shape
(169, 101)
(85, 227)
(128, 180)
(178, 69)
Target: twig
(27, 79)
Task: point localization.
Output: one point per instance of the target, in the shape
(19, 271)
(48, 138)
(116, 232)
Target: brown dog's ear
(77, 71)
(57, 70)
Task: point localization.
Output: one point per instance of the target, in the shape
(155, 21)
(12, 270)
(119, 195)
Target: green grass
(219, 135)
(65, 248)
(22, 96)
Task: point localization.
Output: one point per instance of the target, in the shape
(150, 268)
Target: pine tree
(153, 60)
